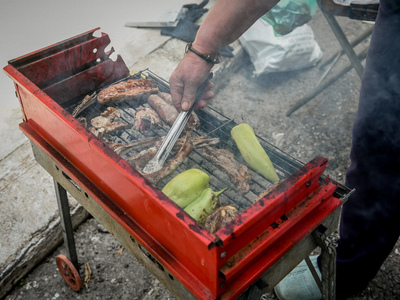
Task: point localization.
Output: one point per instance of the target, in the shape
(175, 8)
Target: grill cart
(270, 236)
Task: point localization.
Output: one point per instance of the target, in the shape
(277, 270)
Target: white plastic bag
(270, 53)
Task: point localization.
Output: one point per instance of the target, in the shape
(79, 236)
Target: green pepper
(252, 151)
(186, 186)
(204, 205)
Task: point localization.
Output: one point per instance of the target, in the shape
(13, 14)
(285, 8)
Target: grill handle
(157, 162)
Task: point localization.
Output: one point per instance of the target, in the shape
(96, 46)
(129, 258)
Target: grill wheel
(69, 272)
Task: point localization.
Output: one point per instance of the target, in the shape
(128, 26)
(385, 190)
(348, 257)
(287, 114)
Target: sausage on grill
(167, 112)
(162, 104)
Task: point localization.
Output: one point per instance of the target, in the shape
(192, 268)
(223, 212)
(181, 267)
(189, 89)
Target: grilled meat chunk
(140, 160)
(83, 121)
(172, 165)
(193, 123)
(123, 148)
(238, 174)
(200, 141)
(220, 218)
(167, 111)
(86, 102)
(146, 119)
(132, 89)
(112, 127)
(106, 117)
(104, 124)
(166, 97)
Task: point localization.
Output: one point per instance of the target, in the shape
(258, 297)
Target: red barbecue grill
(265, 242)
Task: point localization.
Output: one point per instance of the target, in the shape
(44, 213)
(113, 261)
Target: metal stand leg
(66, 223)
(328, 264)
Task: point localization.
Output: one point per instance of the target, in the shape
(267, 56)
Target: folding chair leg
(347, 48)
(324, 84)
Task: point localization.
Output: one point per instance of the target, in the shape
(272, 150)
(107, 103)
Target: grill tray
(213, 125)
(51, 81)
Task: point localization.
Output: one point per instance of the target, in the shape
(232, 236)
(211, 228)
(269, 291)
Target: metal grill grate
(214, 125)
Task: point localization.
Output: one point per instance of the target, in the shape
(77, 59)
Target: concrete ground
(29, 221)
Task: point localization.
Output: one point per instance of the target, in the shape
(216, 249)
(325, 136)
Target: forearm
(227, 21)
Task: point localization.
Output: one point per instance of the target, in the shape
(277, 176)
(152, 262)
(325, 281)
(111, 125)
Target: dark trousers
(370, 221)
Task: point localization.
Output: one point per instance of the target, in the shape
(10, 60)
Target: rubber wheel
(69, 272)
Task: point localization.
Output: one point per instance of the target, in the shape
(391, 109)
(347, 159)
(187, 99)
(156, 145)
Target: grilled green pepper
(186, 186)
(204, 205)
(252, 152)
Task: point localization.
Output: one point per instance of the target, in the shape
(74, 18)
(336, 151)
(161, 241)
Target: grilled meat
(193, 123)
(146, 119)
(200, 141)
(86, 102)
(83, 121)
(172, 165)
(220, 218)
(238, 174)
(132, 89)
(140, 160)
(112, 127)
(167, 111)
(166, 97)
(104, 124)
(106, 117)
(123, 148)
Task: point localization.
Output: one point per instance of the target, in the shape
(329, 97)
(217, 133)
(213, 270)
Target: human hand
(190, 73)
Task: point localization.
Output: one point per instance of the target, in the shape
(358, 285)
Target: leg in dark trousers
(370, 223)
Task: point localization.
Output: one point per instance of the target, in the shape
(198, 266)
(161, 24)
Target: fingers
(208, 93)
(189, 96)
(190, 73)
(203, 100)
(176, 94)
(180, 93)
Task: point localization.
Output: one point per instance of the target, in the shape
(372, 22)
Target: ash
(321, 127)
